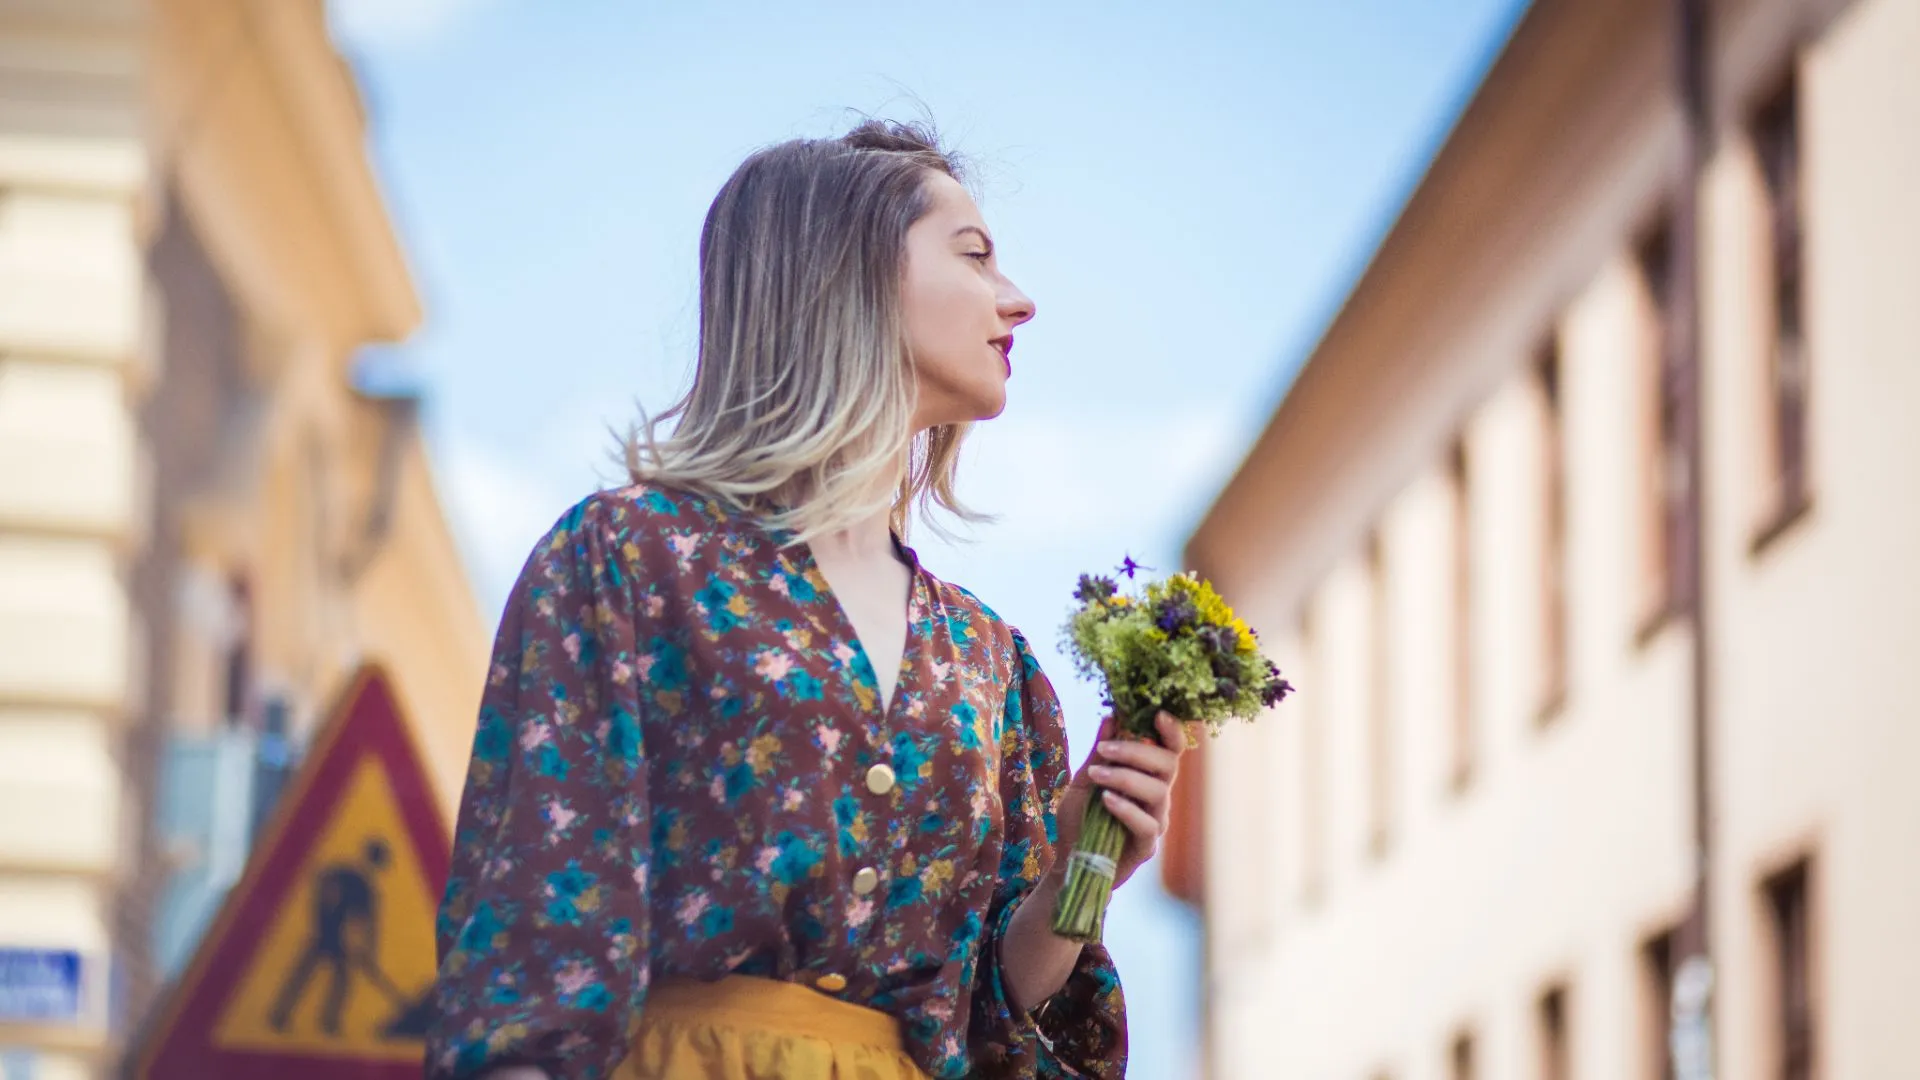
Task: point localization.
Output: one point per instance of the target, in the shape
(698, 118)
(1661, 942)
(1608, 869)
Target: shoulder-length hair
(803, 391)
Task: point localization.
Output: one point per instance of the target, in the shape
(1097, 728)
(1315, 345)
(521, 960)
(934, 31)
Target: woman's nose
(1015, 306)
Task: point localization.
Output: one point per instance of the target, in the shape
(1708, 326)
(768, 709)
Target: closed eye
(983, 256)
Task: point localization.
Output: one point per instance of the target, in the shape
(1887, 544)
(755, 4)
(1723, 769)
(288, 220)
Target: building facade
(1463, 849)
(208, 517)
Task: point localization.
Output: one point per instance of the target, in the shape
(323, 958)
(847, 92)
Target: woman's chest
(767, 743)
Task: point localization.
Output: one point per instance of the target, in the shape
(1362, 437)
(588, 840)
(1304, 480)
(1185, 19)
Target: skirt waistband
(770, 1005)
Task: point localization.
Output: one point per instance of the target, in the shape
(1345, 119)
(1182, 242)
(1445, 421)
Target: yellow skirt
(744, 1028)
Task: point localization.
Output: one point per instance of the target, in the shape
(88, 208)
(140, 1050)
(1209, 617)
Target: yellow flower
(936, 875)
(1247, 645)
(760, 754)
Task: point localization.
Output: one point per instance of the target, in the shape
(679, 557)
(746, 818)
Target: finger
(1149, 791)
(1173, 731)
(1144, 826)
(1144, 756)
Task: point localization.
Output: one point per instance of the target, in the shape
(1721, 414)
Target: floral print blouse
(682, 768)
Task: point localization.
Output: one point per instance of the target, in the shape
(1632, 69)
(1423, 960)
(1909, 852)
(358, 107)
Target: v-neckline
(882, 707)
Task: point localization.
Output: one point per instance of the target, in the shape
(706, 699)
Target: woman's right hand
(517, 1072)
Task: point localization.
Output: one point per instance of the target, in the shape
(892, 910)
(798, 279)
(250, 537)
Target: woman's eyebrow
(977, 231)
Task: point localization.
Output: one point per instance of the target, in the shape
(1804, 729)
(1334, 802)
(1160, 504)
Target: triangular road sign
(321, 958)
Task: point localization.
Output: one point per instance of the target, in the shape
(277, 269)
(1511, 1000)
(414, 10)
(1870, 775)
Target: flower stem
(1080, 913)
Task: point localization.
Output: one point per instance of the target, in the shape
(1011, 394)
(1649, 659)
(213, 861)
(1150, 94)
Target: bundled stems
(1080, 913)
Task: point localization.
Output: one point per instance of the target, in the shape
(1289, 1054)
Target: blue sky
(1187, 193)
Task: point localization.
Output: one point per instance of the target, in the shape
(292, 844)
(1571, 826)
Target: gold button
(880, 779)
(832, 982)
(865, 880)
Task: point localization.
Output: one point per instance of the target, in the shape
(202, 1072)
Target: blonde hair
(803, 392)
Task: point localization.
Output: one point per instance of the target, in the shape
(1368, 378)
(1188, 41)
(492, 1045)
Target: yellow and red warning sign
(322, 959)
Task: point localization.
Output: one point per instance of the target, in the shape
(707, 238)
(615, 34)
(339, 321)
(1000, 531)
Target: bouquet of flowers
(1177, 647)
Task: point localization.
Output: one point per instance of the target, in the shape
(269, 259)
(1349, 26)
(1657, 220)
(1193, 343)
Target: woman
(729, 814)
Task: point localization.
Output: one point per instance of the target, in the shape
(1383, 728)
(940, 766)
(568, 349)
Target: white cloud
(381, 23)
(499, 508)
(1060, 481)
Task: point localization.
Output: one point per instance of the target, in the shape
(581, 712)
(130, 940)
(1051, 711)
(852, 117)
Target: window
(1775, 133)
(1657, 960)
(1667, 528)
(1460, 1058)
(1553, 554)
(1786, 901)
(1459, 480)
(1556, 1060)
(1379, 702)
(237, 663)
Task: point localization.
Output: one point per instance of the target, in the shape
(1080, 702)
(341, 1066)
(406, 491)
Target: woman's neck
(870, 538)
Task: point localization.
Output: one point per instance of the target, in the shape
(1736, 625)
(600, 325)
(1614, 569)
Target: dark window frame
(1666, 504)
(1788, 899)
(1555, 618)
(1659, 961)
(1460, 487)
(1463, 1056)
(1775, 131)
(1380, 801)
(1554, 1032)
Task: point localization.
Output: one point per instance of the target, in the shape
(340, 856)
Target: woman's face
(960, 311)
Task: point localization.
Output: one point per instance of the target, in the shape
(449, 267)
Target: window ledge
(1552, 704)
(1791, 512)
(1460, 781)
(1380, 844)
(1655, 621)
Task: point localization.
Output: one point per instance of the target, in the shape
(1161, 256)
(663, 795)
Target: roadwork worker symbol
(344, 948)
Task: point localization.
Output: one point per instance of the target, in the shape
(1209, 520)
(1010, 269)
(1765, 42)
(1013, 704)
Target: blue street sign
(39, 985)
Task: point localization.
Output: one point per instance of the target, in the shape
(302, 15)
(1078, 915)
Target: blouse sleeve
(1082, 1030)
(543, 935)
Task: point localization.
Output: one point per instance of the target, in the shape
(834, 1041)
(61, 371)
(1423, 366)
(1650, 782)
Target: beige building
(207, 517)
(1460, 851)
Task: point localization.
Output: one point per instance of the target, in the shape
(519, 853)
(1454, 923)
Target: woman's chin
(958, 405)
(992, 405)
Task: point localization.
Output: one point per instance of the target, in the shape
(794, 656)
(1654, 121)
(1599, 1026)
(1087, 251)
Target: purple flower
(1094, 587)
(1276, 688)
(1220, 640)
(1176, 614)
(1129, 567)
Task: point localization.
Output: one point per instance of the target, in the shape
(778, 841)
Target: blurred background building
(212, 507)
(1464, 850)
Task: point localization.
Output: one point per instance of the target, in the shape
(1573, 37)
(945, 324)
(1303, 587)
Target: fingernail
(1105, 749)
